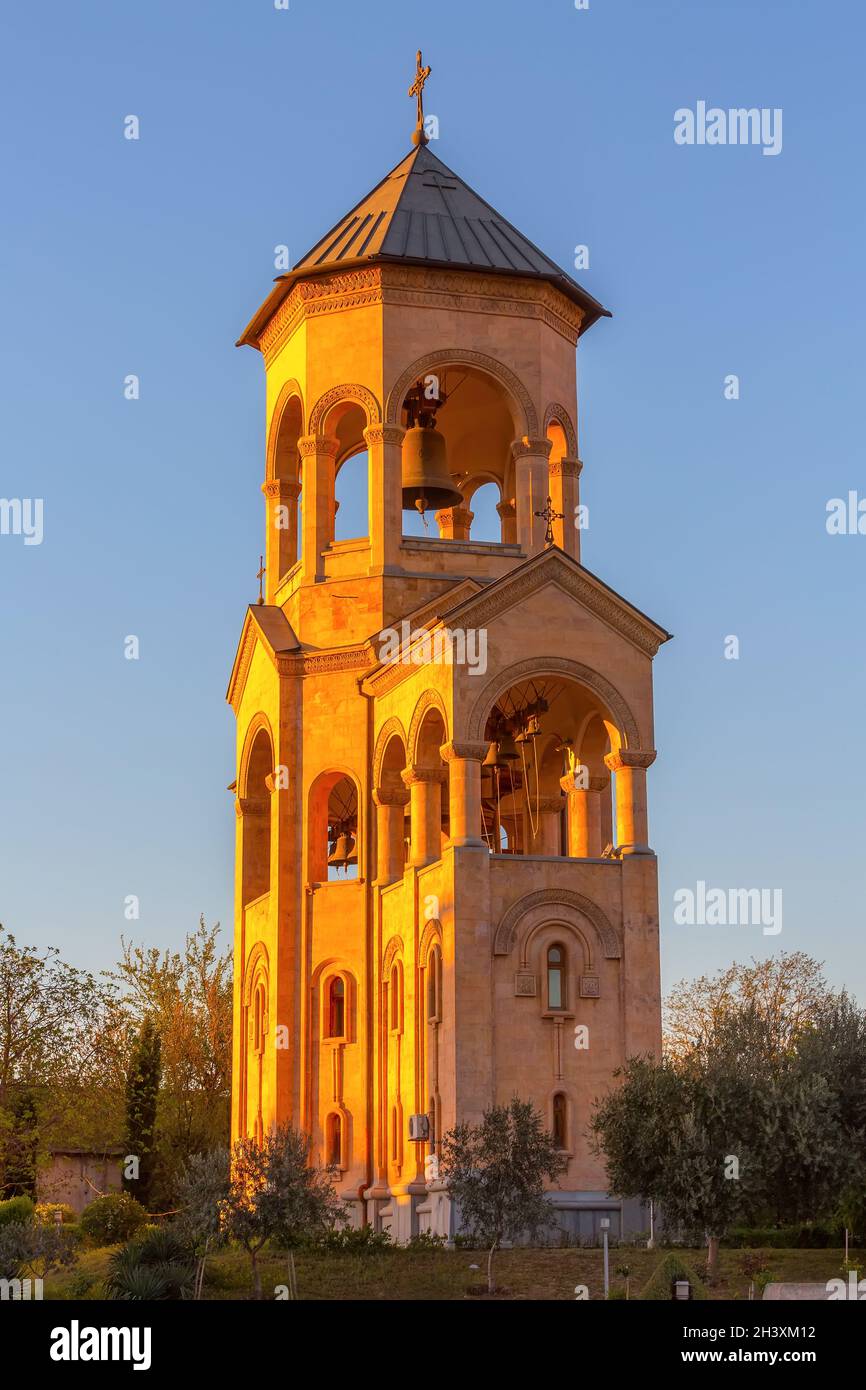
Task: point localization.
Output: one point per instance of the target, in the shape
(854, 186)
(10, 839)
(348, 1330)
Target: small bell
(345, 851)
(427, 483)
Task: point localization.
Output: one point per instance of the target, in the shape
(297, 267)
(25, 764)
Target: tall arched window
(556, 977)
(334, 1141)
(434, 985)
(560, 1126)
(396, 997)
(336, 1013)
(259, 1019)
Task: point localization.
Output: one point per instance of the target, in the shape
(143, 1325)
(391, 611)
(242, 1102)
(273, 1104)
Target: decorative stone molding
(384, 434)
(550, 805)
(282, 490)
(642, 633)
(590, 987)
(392, 728)
(431, 699)
(525, 985)
(393, 951)
(473, 752)
(507, 510)
(460, 357)
(531, 448)
(558, 905)
(543, 666)
(390, 796)
(414, 776)
(565, 468)
(349, 392)
(556, 413)
(431, 935)
(629, 757)
(599, 784)
(312, 444)
(251, 806)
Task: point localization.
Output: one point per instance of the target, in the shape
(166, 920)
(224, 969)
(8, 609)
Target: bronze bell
(427, 484)
(345, 851)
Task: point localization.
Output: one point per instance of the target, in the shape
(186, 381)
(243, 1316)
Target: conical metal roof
(423, 213)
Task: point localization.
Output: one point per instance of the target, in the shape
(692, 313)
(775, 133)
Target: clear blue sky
(260, 127)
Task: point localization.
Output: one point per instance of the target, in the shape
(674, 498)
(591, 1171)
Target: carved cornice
(469, 291)
(546, 902)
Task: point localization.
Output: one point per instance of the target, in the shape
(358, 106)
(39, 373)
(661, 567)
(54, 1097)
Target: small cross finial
(417, 90)
(549, 515)
(260, 577)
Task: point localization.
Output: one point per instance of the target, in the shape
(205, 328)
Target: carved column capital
(384, 434)
(630, 758)
(470, 751)
(419, 776)
(251, 805)
(566, 468)
(507, 510)
(390, 796)
(318, 445)
(531, 448)
(282, 490)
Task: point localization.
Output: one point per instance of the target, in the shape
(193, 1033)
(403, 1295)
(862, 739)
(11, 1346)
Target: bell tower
(445, 892)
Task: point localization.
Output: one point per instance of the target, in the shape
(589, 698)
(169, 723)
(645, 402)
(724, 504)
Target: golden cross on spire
(417, 90)
(260, 577)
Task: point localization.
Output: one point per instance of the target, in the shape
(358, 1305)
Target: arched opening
(560, 1120)
(334, 835)
(478, 421)
(284, 472)
(546, 790)
(255, 806)
(336, 1007)
(435, 801)
(559, 441)
(351, 499)
(557, 977)
(485, 502)
(334, 1140)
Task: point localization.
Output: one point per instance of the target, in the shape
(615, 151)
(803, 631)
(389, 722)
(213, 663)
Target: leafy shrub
(424, 1242)
(658, 1286)
(111, 1219)
(29, 1248)
(155, 1265)
(80, 1285)
(16, 1210)
(45, 1212)
(351, 1241)
(807, 1236)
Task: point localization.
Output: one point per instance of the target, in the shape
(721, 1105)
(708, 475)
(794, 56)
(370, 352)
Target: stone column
(385, 454)
(630, 766)
(317, 476)
(281, 534)
(564, 495)
(464, 761)
(455, 523)
(390, 817)
(425, 790)
(508, 516)
(547, 838)
(531, 491)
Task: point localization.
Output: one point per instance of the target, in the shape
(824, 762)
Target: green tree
(188, 994)
(496, 1172)
(142, 1098)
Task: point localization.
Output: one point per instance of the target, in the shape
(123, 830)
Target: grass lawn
(446, 1274)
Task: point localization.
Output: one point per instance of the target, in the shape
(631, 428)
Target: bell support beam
(630, 767)
(318, 453)
(464, 761)
(281, 536)
(425, 791)
(384, 452)
(564, 475)
(530, 491)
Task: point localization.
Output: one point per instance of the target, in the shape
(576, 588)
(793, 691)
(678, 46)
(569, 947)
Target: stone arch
(431, 699)
(392, 728)
(393, 951)
(558, 413)
(258, 722)
(548, 666)
(350, 392)
(555, 905)
(463, 357)
(431, 935)
(290, 391)
(257, 962)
